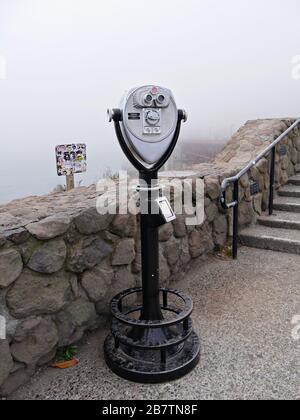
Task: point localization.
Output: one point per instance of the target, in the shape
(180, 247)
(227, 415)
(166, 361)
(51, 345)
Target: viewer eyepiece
(161, 99)
(148, 98)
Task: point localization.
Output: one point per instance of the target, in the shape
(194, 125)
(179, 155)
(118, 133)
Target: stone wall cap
(179, 174)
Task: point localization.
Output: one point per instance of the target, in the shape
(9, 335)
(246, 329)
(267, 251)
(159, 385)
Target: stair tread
(257, 231)
(281, 231)
(295, 178)
(282, 216)
(287, 200)
(291, 188)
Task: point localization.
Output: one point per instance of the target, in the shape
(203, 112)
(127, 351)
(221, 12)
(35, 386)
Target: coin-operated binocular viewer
(153, 341)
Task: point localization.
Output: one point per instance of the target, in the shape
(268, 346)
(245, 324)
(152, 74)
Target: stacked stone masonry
(61, 262)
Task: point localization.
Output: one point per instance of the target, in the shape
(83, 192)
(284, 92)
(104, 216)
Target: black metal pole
(272, 181)
(150, 252)
(235, 220)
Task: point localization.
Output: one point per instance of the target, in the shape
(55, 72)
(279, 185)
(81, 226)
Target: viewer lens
(148, 98)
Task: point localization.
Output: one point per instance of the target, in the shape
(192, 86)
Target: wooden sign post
(70, 160)
(70, 182)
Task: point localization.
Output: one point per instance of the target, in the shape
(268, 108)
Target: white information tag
(166, 209)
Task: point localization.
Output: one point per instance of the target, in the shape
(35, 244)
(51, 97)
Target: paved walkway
(243, 311)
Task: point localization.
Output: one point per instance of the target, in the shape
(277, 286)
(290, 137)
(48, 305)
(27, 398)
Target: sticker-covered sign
(71, 159)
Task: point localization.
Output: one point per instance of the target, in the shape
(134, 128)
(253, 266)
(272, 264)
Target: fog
(227, 61)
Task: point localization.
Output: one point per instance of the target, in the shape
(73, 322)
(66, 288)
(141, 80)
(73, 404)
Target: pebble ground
(243, 312)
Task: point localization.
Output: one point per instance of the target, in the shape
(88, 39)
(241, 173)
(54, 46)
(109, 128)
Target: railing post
(235, 220)
(272, 181)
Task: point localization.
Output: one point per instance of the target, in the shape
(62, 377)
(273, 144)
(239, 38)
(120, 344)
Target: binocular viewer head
(149, 119)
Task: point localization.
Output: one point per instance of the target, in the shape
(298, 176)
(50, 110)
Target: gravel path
(243, 311)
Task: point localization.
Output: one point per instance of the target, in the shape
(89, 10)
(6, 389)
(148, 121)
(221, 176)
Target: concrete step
(295, 180)
(287, 204)
(282, 240)
(289, 191)
(281, 220)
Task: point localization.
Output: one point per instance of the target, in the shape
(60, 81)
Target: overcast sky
(227, 61)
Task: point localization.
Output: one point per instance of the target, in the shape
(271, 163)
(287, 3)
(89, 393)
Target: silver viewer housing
(149, 120)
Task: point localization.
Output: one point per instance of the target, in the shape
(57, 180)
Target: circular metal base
(135, 368)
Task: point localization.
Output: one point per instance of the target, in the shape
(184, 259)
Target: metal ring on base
(152, 351)
(117, 309)
(146, 372)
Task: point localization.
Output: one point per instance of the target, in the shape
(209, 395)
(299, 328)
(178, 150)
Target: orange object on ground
(66, 365)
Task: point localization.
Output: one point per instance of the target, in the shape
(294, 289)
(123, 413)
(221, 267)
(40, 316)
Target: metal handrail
(235, 180)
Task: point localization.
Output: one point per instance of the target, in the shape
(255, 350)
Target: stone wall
(61, 262)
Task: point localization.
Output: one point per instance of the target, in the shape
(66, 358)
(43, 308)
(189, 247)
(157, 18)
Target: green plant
(66, 354)
(224, 252)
